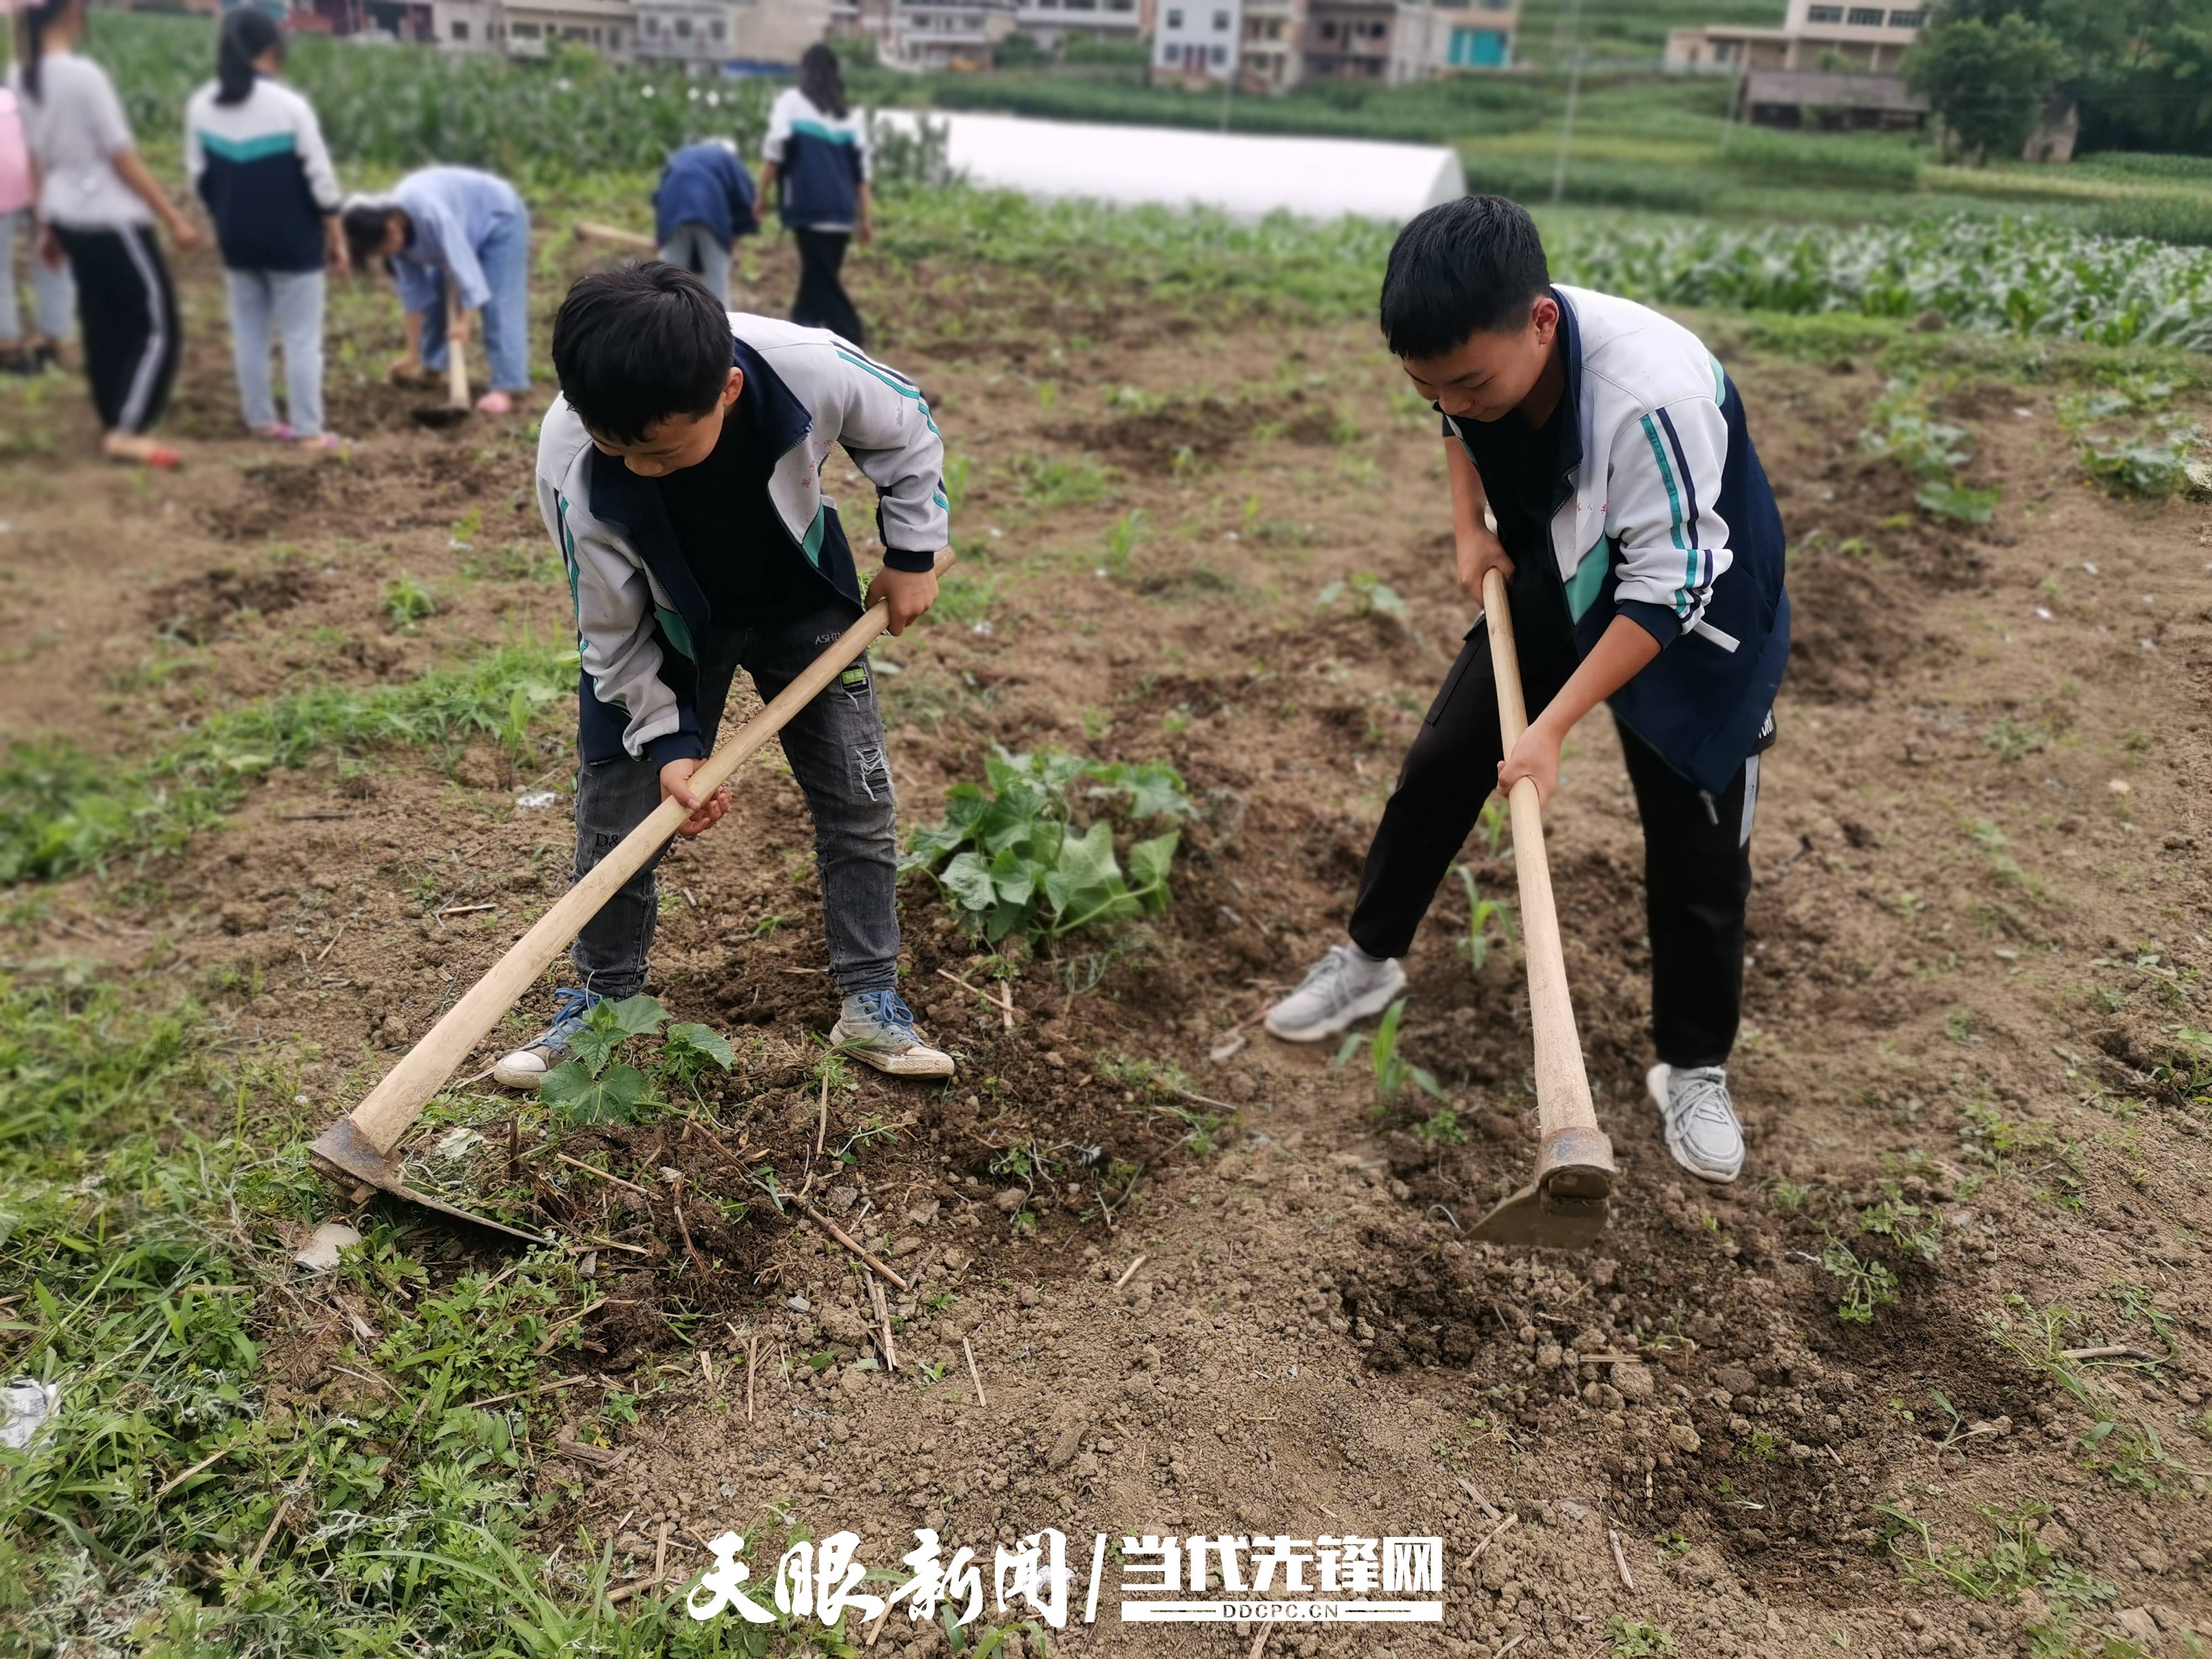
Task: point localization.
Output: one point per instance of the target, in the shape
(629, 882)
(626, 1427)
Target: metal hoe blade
(344, 1151)
(1564, 1208)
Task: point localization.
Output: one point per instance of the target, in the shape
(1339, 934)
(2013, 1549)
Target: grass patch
(62, 811)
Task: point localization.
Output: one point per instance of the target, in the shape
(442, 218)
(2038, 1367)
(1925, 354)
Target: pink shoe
(281, 433)
(494, 403)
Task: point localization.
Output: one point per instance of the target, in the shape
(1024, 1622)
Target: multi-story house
(528, 29)
(1814, 35)
(959, 34)
(1052, 22)
(1274, 44)
(1198, 39)
(721, 36)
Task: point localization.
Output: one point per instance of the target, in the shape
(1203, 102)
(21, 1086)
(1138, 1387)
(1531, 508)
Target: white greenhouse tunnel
(1241, 174)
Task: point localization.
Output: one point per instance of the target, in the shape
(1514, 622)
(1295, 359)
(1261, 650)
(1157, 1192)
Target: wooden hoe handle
(1571, 1138)
(457, 360)
(384, 1116)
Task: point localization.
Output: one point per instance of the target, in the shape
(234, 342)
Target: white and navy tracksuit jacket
(261, 166)
(638, 608)
(822, 161)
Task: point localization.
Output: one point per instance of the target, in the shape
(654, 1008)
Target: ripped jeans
(837, 754)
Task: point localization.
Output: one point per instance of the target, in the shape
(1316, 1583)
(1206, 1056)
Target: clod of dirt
(196, 609)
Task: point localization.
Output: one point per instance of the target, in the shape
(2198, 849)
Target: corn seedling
(1390, 1069)
(1481, 913)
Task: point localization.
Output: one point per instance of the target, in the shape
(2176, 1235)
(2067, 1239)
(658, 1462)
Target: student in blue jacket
(703, 204)
(816, 169)
(457, 225)
(255, 156)
(1642, 553)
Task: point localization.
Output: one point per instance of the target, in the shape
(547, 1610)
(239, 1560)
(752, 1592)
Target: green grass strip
(62, 810)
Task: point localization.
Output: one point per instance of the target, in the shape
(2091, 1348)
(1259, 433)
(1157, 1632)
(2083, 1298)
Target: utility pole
(1574, 97)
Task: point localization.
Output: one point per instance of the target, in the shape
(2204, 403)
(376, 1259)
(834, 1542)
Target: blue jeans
(293, 302)
(696, 249)
(840, 759)
(505, 257)
(55, 295)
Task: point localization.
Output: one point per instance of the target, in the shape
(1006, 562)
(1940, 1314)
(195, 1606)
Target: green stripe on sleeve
(247, 149)
(1674, 506)
(1589, 577)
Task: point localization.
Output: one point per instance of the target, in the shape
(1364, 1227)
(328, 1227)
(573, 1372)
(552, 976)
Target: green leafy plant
(1391, 1069)
(1481, 914)
(407, 602)
(1050, 481)
(1440, 1128)
(597, 1088)
(1367, 594)
(1121, 539)
(1867, 1286)
(1012, 861)
(1634, 1638)
(2164, 459)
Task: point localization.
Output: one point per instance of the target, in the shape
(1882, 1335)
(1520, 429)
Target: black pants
(822, 301)
(1697, 848)
(127, 312)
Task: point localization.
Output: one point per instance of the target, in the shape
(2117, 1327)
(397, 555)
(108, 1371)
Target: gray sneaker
(1702, 1130)
(1345, 985)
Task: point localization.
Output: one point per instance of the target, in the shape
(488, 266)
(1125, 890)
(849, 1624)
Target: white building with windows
(1816, 34)
(529, 28)
(1198, 39)
(954, 35)
(712, 37)
(1050, 22)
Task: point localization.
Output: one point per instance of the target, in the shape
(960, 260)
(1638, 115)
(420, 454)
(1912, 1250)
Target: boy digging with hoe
(1643, 554)
(679, 474)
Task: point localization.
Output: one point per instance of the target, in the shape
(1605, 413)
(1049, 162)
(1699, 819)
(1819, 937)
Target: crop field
(288, 764)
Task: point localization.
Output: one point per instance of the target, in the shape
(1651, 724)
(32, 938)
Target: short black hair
(1461, 269)
(365, 224)
(635, 345)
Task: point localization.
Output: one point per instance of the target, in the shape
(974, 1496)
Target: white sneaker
(1702, 1130)
(1345, 985)
(876, 1028)
(526, 1067)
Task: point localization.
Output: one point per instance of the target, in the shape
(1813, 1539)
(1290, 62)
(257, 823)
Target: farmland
(1930, 1379)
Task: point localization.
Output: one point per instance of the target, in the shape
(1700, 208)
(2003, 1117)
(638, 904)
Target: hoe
(1562, 1207)
(355, 1152)
(455, 409)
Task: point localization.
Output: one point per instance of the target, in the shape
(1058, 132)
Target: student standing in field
(53, 296)
(98, 204)
(679, 475)
(704, 202)
(255, 156)
(1644, 555)
(469, 228)
(818, 171)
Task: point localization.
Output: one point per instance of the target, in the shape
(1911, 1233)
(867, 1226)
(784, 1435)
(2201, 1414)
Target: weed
(1867, 1286)
(959, 471)
(1903, 1224)
(1788, 1197)
(1391, 1071)
(407, 602)
(1440, 1128)
(1367, 592)
(1635, 1638)
(1121, 539)
(2012, 740)
(1014, 864)
(1049, 482)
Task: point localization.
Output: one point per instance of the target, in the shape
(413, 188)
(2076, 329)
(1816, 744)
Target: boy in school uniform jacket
(1644, 557)
(679, 475)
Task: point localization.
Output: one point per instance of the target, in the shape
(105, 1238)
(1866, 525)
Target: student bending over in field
(1643, 557)
(679, 474)
(452, 225)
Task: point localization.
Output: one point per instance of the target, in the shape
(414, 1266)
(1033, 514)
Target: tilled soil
(1236, 1297)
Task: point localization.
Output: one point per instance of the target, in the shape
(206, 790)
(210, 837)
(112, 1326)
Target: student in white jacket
(680, 476)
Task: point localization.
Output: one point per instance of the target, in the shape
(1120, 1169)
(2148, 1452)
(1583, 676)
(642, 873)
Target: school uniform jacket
(261, 166)
(638, 611)
(822, 161)
(1662, 514)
